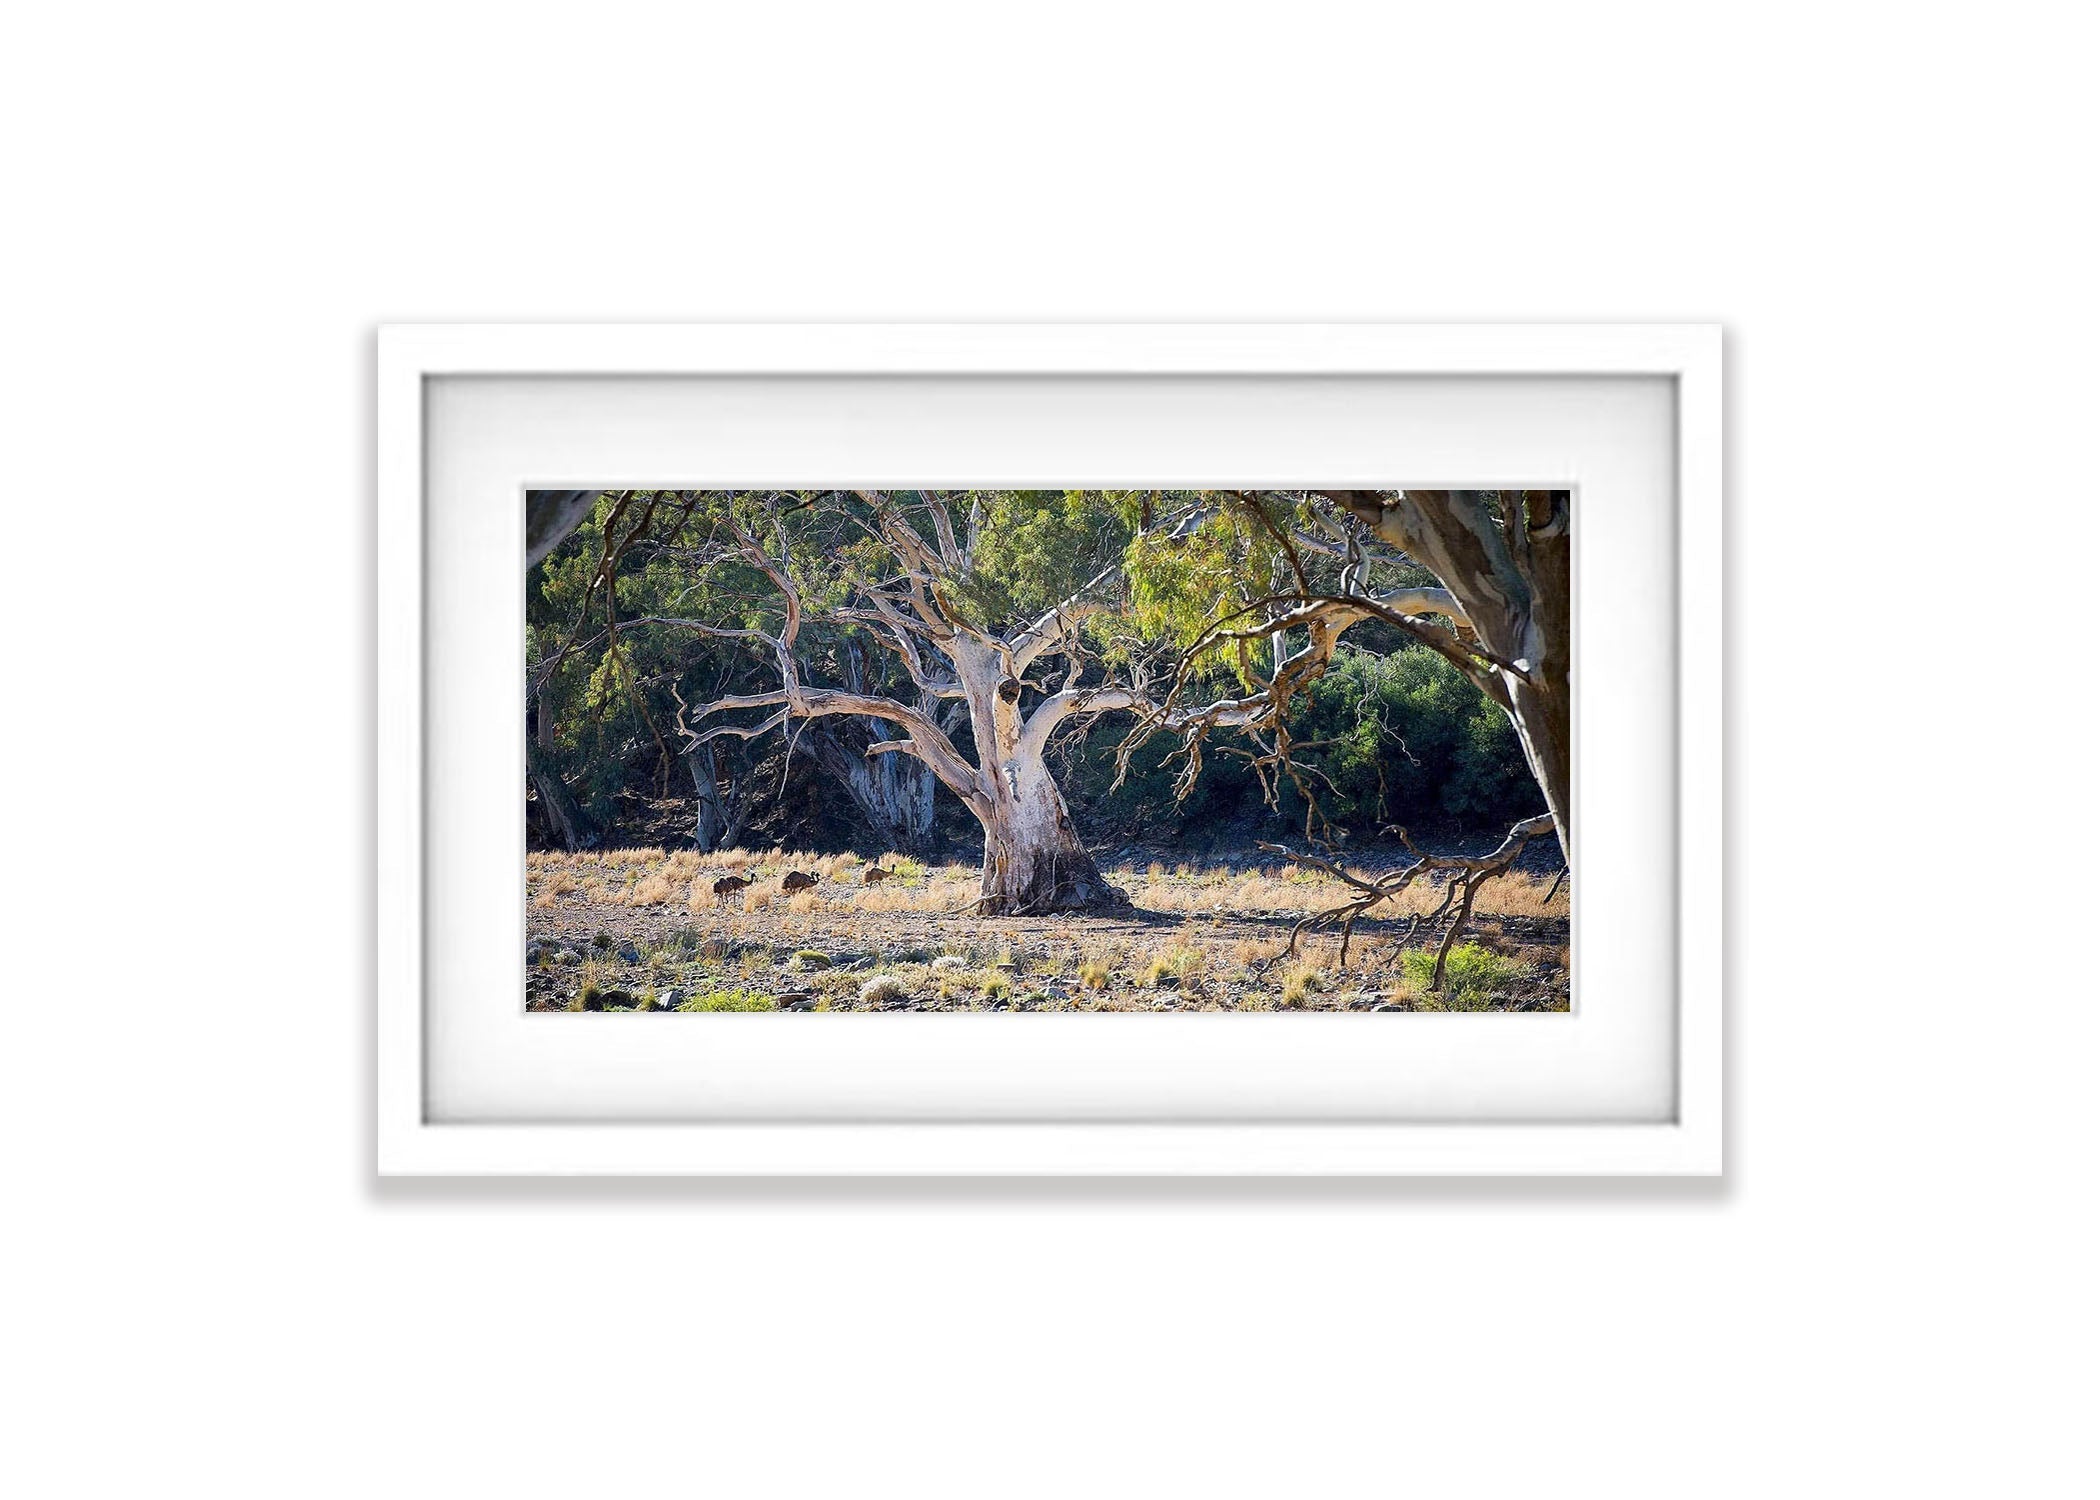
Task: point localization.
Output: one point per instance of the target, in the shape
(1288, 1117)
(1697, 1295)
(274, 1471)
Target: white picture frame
(1686, 1140)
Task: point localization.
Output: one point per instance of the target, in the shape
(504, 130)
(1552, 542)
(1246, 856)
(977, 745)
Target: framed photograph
(1038, 749)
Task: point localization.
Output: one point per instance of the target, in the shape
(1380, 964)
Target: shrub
(882, 989)
(729, 1000)
(810, 958)
(1093, 974)
(1472, 975)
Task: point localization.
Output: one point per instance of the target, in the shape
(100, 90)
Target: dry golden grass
(950, 890)
(652, 877)
(1182, 957)
(655, 890)
(1248, 952)
(1304, 891)
(1300, 983)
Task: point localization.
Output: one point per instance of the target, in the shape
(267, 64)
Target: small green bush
(1472, 976)
(730, 1000)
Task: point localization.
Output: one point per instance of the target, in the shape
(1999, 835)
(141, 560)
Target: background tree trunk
(550, 515)
(543, 717)
(570, 824)
(720, 817)
(893, 793)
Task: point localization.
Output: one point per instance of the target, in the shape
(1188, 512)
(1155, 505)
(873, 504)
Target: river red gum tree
(965, 672)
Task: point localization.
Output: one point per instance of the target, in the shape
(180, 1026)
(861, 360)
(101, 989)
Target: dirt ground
(643, 930)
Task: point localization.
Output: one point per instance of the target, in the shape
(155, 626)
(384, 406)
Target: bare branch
(1467, 875)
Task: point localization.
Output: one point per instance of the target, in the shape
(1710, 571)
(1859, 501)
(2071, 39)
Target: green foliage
(730, 999)
(1037, 548)
(1400, 735)
(1405, 737)
(1189, 576)
(1473, 976)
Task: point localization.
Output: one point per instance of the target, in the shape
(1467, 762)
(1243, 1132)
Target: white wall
(208, 209)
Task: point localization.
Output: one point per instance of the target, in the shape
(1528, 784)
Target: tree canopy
(660, 618)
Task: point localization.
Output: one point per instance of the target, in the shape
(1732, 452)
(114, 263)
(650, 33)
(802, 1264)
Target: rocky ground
(642, 930)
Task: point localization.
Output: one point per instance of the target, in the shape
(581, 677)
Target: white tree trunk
(1033, 860)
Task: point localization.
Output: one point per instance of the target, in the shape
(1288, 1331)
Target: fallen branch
(1467, 877)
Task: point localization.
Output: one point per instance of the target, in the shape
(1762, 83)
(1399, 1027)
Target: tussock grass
(882, 989)
(1182, 958)
(1300, 983)
(944, 893)
(655, 890)
(1248, 952)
